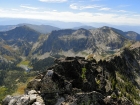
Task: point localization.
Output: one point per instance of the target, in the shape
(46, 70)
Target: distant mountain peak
(84, 27)
(44, 29)
(105, 27)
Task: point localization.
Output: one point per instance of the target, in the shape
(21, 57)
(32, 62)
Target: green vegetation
(110, 52)
(3, 92)
(10, 58)
(42, 65)
(114, 82)
(113, 95)
(83, 75)
(25, 63)
(98, 82)
(128, 88)
(12, 76)
(21, 86)
(9, 65)
(10, 80)
(84, 53)
(42, 37)
(126, 44)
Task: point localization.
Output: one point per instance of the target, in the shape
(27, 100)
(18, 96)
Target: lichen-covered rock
(23, 100)
(7, 100)
(12, 101)
(37, 103)
(34, 84)
(32, 98)
(60, 101)
(32, 92)
(29, 99)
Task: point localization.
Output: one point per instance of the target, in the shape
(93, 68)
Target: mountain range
(30, 41)
(99, 64)
(44, 29)
(67, 25)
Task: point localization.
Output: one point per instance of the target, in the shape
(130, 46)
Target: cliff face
(76, 81)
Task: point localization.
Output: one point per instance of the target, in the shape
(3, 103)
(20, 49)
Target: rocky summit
(76, 81)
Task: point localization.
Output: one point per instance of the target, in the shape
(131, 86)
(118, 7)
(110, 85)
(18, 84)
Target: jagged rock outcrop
(31, 98)
(76, 81)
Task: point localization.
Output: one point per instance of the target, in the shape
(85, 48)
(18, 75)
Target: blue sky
(120, 12)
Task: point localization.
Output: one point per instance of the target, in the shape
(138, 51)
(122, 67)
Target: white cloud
(105, 9)
(89, 6)
(95, 0)
(115, 18)
(137, 15)
(14, 9)
(53, 1)
(1, 10)
(28, 7)
(123, 5)
(122, 11)
(54, 10)
(81, 7)
(73, 6)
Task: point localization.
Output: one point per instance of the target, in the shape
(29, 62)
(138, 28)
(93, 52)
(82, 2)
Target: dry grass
(9, 58)
(24, 62)
(21, 87)
(8, 48)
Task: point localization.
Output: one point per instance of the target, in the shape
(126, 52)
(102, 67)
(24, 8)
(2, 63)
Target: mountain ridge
(44, 29)
(65, 25)
(74, 81)
(61, 42)
(96, 62)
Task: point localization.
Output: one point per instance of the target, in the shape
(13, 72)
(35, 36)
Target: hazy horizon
(101, 11)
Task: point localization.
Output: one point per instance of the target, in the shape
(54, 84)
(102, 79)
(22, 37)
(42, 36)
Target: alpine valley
(46, 65)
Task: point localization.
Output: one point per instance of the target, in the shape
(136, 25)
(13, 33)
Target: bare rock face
(35, 84)
(76, 81)
(32, 98)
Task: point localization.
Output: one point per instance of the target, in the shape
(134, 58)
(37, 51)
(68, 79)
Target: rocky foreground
(76, 81)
